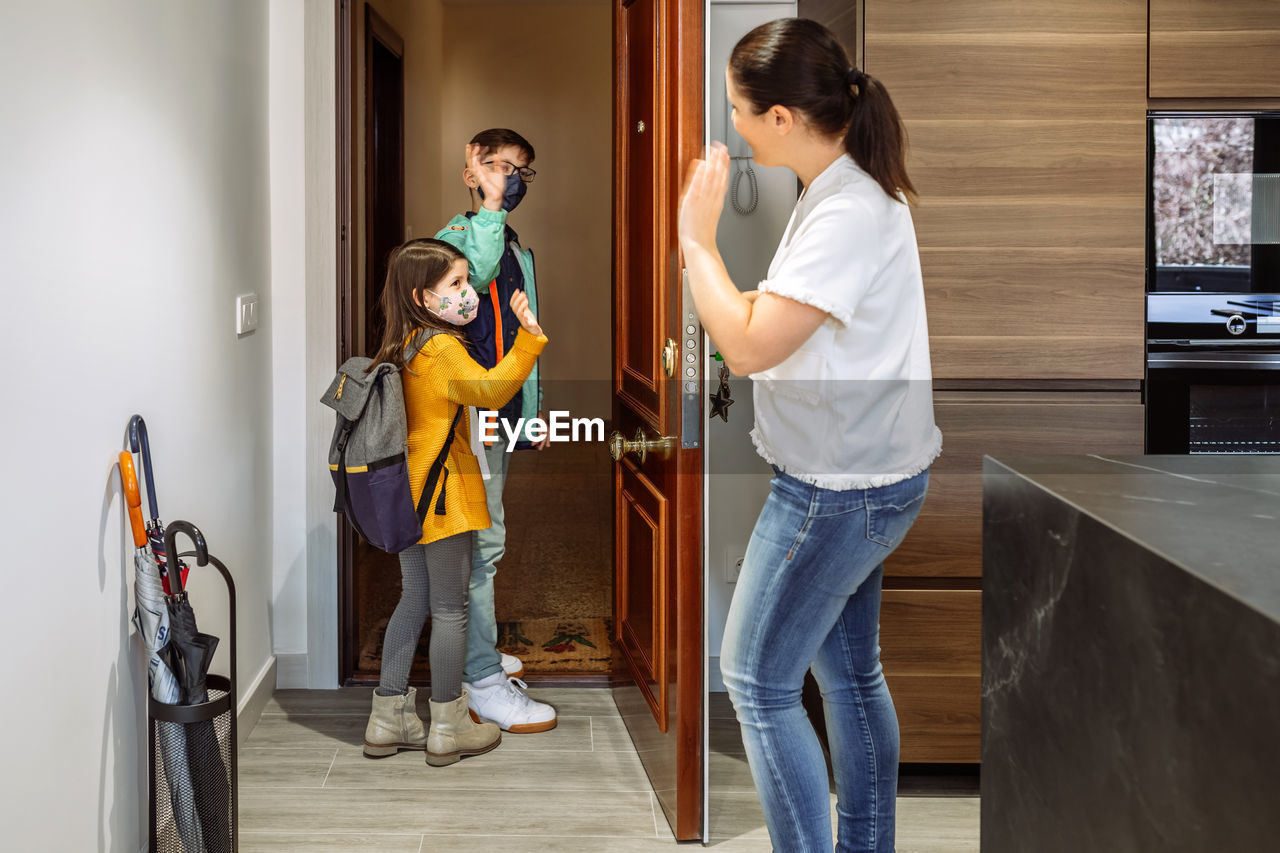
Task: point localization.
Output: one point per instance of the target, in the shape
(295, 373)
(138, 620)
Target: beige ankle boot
(394, 725)
(454, 734)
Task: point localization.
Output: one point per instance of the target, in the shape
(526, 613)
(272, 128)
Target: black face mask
(513, 192)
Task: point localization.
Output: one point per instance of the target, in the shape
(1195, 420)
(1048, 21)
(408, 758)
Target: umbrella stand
(206, 731)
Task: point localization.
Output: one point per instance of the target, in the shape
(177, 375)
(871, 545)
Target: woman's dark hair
(413, 268)
(799, 64)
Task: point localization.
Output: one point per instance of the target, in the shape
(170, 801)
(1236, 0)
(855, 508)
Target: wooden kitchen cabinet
(946, 540)
(1214, 49)
(931, 650)
(1026, 124)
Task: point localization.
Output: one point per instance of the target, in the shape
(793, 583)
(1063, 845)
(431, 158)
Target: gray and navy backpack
(368, 456)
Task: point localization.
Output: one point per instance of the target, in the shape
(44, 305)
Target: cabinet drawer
(931, 650)
(946, 540)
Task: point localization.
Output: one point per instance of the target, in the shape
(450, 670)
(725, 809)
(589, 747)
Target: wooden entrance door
(658, 78)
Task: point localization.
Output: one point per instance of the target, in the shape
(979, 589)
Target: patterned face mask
(459, 308)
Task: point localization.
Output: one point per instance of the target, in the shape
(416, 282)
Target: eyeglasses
(526, 174)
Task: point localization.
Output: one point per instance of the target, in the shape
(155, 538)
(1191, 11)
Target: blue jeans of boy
(809, 597)
(483, 658)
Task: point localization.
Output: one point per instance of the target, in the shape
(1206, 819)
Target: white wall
(135, 208)
(289, 400)
(320, 309)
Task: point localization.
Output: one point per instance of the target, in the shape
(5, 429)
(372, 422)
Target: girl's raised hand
(704, 198)
(492, 182)
(520, 307)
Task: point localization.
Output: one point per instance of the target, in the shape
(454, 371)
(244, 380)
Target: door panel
(642, 632)
(642, 125)
(658, 499)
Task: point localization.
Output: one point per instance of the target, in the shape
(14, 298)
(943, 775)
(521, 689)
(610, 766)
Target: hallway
(305, 785)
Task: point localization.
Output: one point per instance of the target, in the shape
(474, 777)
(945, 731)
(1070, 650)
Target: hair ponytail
(876, 139)
(800, 64)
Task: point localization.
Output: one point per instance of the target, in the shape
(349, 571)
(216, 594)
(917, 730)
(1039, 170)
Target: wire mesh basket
(193, 759)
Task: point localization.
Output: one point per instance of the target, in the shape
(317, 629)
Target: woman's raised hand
(492, 183)
(704, 199)
(520, 307)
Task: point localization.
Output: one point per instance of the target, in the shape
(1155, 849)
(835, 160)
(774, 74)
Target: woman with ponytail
(836, 341)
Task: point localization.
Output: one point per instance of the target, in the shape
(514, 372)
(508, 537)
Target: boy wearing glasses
(497, 169)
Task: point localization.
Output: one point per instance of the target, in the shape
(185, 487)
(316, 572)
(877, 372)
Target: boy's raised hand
(492, 182)
(520, 307)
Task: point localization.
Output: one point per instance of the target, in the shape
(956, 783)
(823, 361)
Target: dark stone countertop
(1217, 516)
(1130, 654)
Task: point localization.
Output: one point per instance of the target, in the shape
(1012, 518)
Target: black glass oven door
(1213, 402)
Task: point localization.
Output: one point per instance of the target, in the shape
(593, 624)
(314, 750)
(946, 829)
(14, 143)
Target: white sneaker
(502, 700)
(512, 665)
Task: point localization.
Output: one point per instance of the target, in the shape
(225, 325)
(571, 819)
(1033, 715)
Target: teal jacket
(483, 239)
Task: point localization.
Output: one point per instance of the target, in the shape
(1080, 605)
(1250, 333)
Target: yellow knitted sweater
(442, 376)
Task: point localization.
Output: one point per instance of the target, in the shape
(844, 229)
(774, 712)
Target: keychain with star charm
(721, 400)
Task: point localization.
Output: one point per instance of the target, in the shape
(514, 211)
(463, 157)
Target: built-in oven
(1213, 400)
(1213, 283)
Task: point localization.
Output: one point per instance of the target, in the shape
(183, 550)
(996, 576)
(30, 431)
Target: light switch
(246, 313)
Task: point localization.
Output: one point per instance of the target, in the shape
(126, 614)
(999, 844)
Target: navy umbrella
(138, 443)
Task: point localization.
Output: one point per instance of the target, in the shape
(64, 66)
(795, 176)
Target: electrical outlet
(733, 558)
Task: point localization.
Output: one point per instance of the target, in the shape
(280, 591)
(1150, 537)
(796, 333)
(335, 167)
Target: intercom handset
(740, 155)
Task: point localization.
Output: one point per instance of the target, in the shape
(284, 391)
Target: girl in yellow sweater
(426, 298)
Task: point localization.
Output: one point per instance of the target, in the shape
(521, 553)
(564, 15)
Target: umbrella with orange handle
(151, 617)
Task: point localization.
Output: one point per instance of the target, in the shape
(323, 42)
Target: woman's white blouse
(852, 408)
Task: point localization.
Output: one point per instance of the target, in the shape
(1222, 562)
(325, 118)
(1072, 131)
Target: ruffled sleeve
(833, 257)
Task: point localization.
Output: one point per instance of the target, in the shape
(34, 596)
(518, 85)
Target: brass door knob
(669, 352)
(641, 446)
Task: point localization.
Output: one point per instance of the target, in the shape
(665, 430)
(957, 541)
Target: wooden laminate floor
(580, 788)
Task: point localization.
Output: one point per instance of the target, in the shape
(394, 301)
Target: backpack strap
(424, 501)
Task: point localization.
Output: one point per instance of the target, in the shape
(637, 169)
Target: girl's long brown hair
(799, 64)
(415, 267)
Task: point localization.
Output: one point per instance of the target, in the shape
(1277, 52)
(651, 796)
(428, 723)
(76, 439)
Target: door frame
(350, 132)
(378, 29)
(346, 74)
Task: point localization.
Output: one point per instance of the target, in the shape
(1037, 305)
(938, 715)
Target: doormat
(545, 645)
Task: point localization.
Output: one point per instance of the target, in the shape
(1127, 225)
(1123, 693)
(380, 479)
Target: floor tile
(577, 701)
(719, 707)
(502, 771)
(348, 700)
(735, 815)
(308, 730)
(928, 824)
(610, 733)
(729, 773)
(544, 844)
(333, 810)
(306, 842)
(312, 738)
(725, 736)
(284, 768)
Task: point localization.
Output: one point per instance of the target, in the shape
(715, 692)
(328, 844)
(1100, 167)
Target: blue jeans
(809, 596)
(483, 657)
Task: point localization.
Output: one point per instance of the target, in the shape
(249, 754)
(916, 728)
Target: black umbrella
(189, 655)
